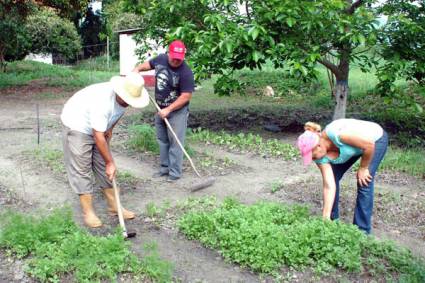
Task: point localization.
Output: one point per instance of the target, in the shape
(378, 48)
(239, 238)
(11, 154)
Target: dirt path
(250, 181)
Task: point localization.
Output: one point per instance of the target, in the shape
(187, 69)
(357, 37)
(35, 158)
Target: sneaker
(159, 174)
(172, 179)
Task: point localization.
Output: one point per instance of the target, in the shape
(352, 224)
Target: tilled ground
(29, 184)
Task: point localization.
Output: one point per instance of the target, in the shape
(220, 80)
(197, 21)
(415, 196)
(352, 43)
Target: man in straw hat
(173, 91)
(88, 118)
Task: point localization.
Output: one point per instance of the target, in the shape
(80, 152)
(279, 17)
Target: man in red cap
(173, 90)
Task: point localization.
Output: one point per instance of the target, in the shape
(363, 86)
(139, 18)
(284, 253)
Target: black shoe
(172, 179)
(159, 174)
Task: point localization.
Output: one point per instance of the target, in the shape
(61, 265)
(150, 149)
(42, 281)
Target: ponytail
(314, 127)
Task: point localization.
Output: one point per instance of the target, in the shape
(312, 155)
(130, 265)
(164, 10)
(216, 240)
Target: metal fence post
(107, 51)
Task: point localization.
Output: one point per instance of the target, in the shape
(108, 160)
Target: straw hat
(131, 89)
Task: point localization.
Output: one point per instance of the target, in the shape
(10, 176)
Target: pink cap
(177, 50)
(306, 142)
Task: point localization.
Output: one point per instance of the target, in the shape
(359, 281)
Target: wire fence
(108, 50)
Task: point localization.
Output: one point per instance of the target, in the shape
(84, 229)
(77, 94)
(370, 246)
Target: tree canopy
(16, 40)
(51, 34)
(227, 35)
(402, 42)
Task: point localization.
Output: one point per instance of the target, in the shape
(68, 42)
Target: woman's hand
(363, 176)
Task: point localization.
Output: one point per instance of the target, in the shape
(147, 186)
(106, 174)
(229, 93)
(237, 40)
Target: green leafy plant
(266, 236)
(57, 246)
(276, 186)
(246, 142)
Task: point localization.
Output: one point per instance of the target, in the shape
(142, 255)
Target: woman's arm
(329, 189)
(368, 147)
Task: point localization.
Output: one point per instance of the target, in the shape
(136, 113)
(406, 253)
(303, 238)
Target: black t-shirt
(170, 82)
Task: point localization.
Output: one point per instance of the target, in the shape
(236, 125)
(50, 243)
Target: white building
(129, 59)
(43, 58)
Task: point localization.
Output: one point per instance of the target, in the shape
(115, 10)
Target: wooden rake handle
(119, 208)
(177, 139)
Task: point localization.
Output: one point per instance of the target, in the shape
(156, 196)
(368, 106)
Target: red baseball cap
(177, 50)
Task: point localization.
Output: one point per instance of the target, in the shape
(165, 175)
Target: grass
(276, 186)
(142, 138)
(56, 247)
(50, 157)
(23, 72)
(410, 161)
(98, 64)
(127, 178)
(268, 236)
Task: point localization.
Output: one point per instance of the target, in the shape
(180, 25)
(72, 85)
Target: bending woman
(334, 151)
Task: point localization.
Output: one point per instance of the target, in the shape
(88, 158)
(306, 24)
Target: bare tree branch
(331, 66)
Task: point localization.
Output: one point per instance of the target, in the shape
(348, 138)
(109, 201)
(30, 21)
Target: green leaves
(247, 142)
(253, 32)
(402, 47)
(58, 247)
(266, 236)
(290, 22)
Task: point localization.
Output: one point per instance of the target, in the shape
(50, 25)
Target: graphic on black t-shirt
(170, 82)
(167, 83)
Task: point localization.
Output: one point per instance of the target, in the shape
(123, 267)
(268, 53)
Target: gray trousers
(82, 161)
(170, 154)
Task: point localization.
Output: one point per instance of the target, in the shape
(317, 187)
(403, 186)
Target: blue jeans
(170, 154)
(364, 202)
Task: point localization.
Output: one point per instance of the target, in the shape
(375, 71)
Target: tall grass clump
(143, 138)
(57, 247)
(267, 236)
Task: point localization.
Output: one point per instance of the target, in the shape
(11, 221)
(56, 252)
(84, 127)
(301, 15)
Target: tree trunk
(341, 95)
(2, 61)
(341, 88)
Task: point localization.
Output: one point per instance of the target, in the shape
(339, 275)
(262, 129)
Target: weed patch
(58, 247)
(126, 178)
(276, 186)
(247, 142)
(49, 157)
(266, 236)
(142, 138)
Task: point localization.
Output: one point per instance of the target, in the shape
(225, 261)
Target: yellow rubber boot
(90, 218)
(112, 205)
